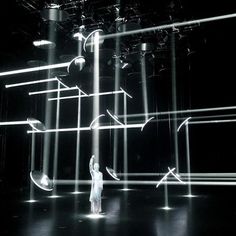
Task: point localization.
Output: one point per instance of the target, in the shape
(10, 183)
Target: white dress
(96, 189)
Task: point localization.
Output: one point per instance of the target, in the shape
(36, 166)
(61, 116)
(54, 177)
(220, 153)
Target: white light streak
(86, 95)
(32, 69)
(211, 121)
(126, 93)
(42, 42)
(184, 122)
(164, 178)
(94, 120)
(31, 82)
(146, 123)
(170, 26)
(53, 90)
(25, 122)
(114, 118)
(128, 126)
(183, 111)
(145, 182)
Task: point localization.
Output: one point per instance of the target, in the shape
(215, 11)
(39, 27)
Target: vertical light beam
(78, 145)
(56, 141)
(96, 100)
(174, 100)
(125, 147)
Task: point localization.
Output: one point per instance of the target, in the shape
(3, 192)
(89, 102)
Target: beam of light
(184, 122)
(164, 178)
(32, 69)
(174, 99)
(166, 208)
(114, 117)
(32, 166)
(77, 154)
(144, 86)
(87, 95)
(211, 121)
(94, 42)
(30, 82)
(112, 173)
(31, 201)
(175, 176)
(182, 111)
(166, 196)
(170, 26)
(42, 42)
(54, 196)
(96, 88)
(92, 126)
(104, 127)
(125, 143)
(144, 182)
(188, 158)
(95, 216)
(182, 174)
(53, 91)
(24, 122)
(116, 98)
(56, 141)
(155, 28)
(146, 123)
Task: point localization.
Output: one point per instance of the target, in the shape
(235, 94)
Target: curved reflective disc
(44, 44)
(41, 180)
(89, 41)
(36, 124)
(77, 64)
(112, 173)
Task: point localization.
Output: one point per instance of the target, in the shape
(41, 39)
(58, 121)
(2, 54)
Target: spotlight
(77, 64)
(41, 180)
(89, 40)
(44, 44)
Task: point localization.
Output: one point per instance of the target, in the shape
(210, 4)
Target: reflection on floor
(135, 212)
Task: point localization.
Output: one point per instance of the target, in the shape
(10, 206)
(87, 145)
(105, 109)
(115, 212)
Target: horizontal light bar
(181, 174)
(52, 90)
(131, 126)
(17, 123)
(32, 69)
(42, 42)
(181, 111)
(89, 95)
(144, 182)
(30, 82)
(169, 26)
(211, 121)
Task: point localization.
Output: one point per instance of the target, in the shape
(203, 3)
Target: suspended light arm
(25, 122)
(87, 95)
(32, 69)
(52, 91)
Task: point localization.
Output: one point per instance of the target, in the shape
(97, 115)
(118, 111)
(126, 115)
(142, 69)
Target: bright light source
(31, 201)
(40, 43)
(41, 180)
(166, 208)
(95, 216)
(54, 196)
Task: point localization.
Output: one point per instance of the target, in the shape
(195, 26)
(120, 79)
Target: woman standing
(96, 186)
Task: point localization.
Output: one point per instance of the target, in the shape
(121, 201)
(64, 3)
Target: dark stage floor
(136, 212)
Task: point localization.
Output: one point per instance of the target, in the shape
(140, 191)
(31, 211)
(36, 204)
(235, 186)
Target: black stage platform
(134, 212)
